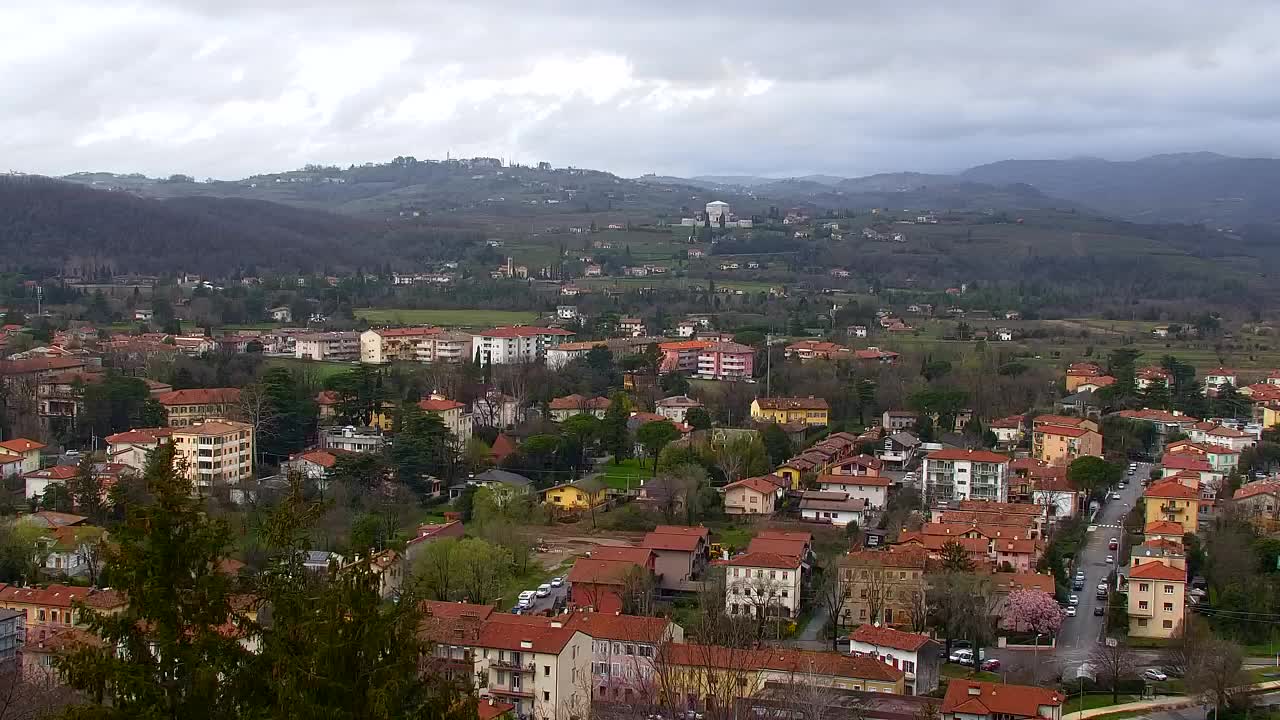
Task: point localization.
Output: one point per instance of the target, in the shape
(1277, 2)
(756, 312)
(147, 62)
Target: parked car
(1071, 611)
(1102, 587)
(1073, 600)
(1154, 674)
(1110, 559)
(1099, 610)
(1077, 585)
(544, 590)
(1113, 544)
(963, 656)
(557, 582)
(991, 664)
(1115, 496)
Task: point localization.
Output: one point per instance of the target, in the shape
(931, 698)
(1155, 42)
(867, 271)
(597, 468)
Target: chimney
(975, 690)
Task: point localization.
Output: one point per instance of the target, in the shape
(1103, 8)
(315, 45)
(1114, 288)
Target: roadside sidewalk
(1168, 702)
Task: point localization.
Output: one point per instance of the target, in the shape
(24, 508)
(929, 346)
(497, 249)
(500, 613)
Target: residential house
(584, 494)
(783, 410)
(1058, 439)
(12, 630)
(132, 447)
(835, 508)
(327, 346)
(975, 700)
(1221, 459)
(1156, 593)
(515, 345)
(680, 553)
(955, 474)
(1260, 502)
(807, 350)
(535, 663)
(1084, 403)
(604, 585)
(281, 314)
(352, 439)
(184, 408)
(28, 450)
(725, 361)
(705, 676)
(871, 489)
(315, 464)
(623, 653)
(753, 495)
(10, 465)
(1163, 530)
(428, 533)
(1080, 373)
(762, 585)
(876, 356)
(1008, 430)
(1056, 493)
(508, 481)
(563, 408)
(899, 449)
(676, 407)
(916, 655)
(451, 412)
(215, 452)
(1218, 377)
(1220, 435)
(37, 482)
(1172, 501)
(51, 608)
(1153, 375)
(883, 586)
(897, 420)
(414, 344)
(496, 410)
(632, 326)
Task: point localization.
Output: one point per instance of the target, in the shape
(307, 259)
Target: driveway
(542, 605)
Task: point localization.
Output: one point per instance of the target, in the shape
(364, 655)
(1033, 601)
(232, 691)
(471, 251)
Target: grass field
(446, 318)
(322, 369)
(1092, 701)
(626, 475)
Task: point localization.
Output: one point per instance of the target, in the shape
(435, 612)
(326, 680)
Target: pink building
(725, 361)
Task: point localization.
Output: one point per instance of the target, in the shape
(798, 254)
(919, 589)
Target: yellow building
(807, 410)
(50, 609)
(581, 495)
(187, 407)
(1271, 414)
(217, 452)
(1061, 444)
(1171, 501)
(1157, 595)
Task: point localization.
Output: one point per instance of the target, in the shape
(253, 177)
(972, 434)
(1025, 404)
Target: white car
(557, 581)
(1123, 485)
(1073, 600)
(1080, 575)
(1154, 674)
(544, 590)
(525, 597)
(1110, 559)
(962, 657)
(1115, 496)
(1071, 611)
(1102, 587)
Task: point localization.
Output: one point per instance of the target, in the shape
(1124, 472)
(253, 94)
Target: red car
(991, 664)
(1113, 545)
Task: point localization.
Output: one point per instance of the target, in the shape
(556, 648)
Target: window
(784, 574)
(862, 614)
(1142, 604)
(1168, 624)
(785, 593)
(546, 696)
(1168, 589)
(1142, 622)
(546, 671)
(1168, 607)
(1144, 587)
(908, 666)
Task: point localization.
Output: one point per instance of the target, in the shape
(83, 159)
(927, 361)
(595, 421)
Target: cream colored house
(216, 452)
(762, 584)
(184, 407)
(1157, 599)
(452, 412)
(535, 663)
(132, 447)
(752, 496)
(28, 449)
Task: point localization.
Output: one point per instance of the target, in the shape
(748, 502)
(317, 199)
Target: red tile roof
(57, 472)
(407, 331)
(490, 709)
(637, 555)
(1002, 508)
(324, 457)
(792, 403)
(777, 546)
(438, 404)
(792, 535)
(765, 560)
(1261, 487)
(677, 542)
(60, 596)
(600, 572)
(1163, 527)
(579, 402)
(21, 445)
(997, 699)
(1222, 431)
(868, 480)
(984, 456)
(199, 396)
(627, 628)
(781, 660)
(888, 637)
(327, 397)
(1060, 420)
(695, 530)
(1160, 416)
(502, 446)
(1062, 430)
(1013, 421)
(685, 345)
(935, 543)
(1008, 582)
(1185, 461)
(899, 557)
(1171, 489)
(511, 632)
(142, 436)
(1157, 571)
(759, 484)
(523, 331)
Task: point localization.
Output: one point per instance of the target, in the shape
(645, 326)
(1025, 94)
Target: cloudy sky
(225, 88)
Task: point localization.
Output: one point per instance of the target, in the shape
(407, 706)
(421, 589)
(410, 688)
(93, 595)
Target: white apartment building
(327, 346)
(676, 407)
(131, 447)
(215, 452)
(514, 345)
(623, 648)
(351, 439)
(762, 583)
(414, 344)
(956, 474)
(534, 663)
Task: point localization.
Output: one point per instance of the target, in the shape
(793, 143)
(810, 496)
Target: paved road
(1080, 634)
(543, 604)
(1201, 712)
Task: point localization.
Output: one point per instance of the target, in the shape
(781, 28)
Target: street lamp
(1035, 668)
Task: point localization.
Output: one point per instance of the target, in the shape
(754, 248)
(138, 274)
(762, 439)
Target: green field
(323, 370)
(446, 318)
(626, 475)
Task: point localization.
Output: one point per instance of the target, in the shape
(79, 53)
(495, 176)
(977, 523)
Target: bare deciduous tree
(1114, 663)
(1216, 674)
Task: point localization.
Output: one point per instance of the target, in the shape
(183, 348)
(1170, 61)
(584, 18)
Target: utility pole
(768, 365)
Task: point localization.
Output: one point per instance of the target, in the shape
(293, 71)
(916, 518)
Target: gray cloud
(226, 88)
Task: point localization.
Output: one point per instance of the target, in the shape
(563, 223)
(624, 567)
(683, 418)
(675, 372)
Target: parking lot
(559, 596)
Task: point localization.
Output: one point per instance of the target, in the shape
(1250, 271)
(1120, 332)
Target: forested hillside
(51, 225)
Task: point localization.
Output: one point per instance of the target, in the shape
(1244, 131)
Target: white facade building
(514, 345)
(956, 474)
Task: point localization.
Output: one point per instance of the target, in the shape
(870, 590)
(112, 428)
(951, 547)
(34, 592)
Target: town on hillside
(597, 503)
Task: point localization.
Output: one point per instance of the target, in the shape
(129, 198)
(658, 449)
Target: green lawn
(322, 369)
(626, 475)
(1093, 700)
(730, 535)
(462, 318)
(953, 670)
(1267, 648)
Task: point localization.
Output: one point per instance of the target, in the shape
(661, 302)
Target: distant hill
(1216, 190)
(51, 225)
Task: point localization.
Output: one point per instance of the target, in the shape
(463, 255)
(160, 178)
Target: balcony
(515, 666)
(511, 692)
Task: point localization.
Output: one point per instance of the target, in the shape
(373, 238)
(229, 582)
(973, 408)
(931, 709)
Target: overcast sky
(226, 88)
